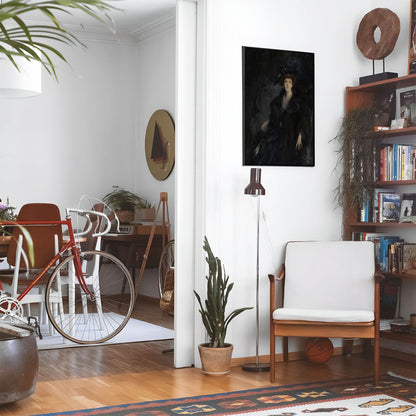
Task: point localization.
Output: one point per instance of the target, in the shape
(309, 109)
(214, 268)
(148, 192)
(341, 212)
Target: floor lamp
(256, 189)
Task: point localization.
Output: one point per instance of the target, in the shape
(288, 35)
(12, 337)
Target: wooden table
(131, 248)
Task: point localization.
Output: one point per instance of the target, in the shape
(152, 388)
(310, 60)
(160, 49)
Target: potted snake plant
(216, 354)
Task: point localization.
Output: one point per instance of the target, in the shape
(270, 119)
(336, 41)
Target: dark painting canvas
(278, 108)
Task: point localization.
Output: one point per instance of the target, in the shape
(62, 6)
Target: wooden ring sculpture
(389, 25)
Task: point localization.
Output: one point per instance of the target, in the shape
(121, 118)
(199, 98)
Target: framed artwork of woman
(278, 107)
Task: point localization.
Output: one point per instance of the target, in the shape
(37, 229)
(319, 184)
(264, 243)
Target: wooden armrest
(280, 275)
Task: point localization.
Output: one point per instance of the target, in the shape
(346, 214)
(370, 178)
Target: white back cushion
(335, 275)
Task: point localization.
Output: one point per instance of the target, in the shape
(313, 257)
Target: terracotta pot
(215, 361)
(146, 214)
(125, 216)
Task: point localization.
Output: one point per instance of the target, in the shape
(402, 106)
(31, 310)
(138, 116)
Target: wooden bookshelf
(363, 96)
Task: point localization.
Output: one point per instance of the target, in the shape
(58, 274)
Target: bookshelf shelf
(408, 338)
(410, 275)
(408, 131)
(383, 224)
(361, 97)
(381, 184)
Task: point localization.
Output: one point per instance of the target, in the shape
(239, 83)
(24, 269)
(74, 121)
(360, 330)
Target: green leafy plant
(144, 204)
(33, 41)
(122, 200)
(213, 310)
(7, 212)
(357, 155)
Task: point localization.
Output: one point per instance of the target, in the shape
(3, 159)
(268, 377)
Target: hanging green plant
(358, 157)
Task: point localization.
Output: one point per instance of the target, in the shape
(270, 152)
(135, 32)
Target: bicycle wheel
(84, 319)
(166, 262)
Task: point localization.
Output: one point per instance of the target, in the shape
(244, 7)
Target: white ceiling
(132, 17)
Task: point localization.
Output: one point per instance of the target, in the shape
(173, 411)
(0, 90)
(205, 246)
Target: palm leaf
(28, 40)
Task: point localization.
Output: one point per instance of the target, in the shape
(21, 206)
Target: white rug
(134, 331)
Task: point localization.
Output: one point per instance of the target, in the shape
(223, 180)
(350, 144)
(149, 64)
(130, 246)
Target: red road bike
(89, 295)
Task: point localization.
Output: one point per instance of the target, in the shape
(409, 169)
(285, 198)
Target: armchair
(330, 289)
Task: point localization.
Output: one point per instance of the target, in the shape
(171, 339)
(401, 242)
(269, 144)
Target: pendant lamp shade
(22, 83)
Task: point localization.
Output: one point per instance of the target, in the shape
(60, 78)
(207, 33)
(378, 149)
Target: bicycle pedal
(35, 325)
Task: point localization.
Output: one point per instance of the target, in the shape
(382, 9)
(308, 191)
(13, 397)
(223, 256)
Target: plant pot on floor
(19, 362)
(215, 361)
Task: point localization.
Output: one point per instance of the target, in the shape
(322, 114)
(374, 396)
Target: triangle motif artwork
(158, 154)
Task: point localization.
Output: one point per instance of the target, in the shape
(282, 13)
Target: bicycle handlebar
(87, 214)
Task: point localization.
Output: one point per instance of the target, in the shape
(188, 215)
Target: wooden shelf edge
(407, 338)
(407, 131)
(400, 275)
(383, 224)
(398, 82)
(395, 183)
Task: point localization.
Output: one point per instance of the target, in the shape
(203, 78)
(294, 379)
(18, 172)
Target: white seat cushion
(323, 315)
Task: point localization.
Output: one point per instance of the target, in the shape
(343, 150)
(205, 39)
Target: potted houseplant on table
(216, 354)
(124, 203)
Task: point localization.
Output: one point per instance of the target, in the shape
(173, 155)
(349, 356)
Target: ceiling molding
(133, 35)
(154, 28)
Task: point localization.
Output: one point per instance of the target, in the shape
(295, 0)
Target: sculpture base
(377, 77)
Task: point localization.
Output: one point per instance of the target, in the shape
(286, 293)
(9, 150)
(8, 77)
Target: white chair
(330, 289)
(90, 240)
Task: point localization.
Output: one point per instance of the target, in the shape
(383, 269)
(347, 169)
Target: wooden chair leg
(285, 349)
(272, 355)
(376, 359)
(347, 344)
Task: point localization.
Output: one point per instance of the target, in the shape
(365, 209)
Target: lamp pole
(256, 189)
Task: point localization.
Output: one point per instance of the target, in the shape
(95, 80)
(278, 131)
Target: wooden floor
(88, 377)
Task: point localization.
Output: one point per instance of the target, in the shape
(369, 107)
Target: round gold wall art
(160, 144)
(389, 25)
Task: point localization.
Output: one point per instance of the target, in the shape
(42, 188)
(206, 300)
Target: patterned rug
(349, 397)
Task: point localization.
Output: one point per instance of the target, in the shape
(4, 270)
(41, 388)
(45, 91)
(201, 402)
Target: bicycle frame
(70, 245)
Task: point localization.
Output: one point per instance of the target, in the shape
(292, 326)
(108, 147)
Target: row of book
(397, 162)
(392, 253)
(389, 206)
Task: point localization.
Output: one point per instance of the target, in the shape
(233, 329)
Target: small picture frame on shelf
(398, 123)
(408, 208)
(389, 206)
(406, 105)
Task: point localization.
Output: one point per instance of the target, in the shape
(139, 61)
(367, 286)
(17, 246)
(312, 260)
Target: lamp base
(254, 367)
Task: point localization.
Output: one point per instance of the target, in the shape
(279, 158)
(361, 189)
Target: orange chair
(46, 241)
(330, 290)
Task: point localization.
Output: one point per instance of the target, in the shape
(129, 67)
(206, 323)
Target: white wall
(92, 121)
(156, 91)
(299, 201)
(78, 136)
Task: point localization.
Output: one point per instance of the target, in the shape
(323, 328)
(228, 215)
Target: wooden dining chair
(46, 240)
(330, 290)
